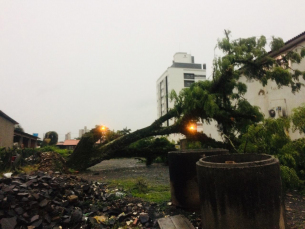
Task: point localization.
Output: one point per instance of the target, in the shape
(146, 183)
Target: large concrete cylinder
(183, 177)
(240, 191)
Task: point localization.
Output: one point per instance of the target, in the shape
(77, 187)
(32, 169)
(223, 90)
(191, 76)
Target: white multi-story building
(181, 74)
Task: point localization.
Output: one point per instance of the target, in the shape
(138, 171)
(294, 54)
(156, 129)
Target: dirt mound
(51, 161)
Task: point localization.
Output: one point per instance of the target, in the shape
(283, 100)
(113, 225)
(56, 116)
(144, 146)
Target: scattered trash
(7, 175)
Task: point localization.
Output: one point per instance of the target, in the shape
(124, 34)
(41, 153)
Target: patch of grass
(63, 152)
(142, 189)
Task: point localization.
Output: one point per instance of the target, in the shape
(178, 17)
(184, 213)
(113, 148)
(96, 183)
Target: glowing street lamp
(192, 127)
(103, 128)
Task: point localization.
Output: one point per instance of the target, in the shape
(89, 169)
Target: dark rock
(35, 195)
(43, 203)
(9, 223)
(22, 220)
(34, 218)
(37, 224)
(6, 181)
(24, 199)
(86, 188)
(32, 177)
(9, 188)
(55, 219)
(11, 213)
(47, 218)
(76, 216)
(144, 218)
(19, 210)
(26, 215)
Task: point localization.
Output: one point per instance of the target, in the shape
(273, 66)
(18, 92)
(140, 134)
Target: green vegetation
(50, 138)
(151, 148)
(143, 189)
(63, 152)
(18, 127)
(272, 137)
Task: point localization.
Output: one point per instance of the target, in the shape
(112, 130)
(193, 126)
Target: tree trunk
(86, 154)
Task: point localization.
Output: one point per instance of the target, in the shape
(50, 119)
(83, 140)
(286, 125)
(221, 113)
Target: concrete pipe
(240, 191)
(183, 177)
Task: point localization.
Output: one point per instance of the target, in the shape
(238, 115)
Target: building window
(189, 76)
(188, 83)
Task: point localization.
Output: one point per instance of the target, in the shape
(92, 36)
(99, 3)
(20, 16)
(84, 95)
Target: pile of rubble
(51, 161)
(46, 200)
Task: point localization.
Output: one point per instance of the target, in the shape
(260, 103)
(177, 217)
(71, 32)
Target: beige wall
(6, 133)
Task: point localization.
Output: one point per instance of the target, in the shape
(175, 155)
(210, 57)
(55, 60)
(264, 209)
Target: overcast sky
(69, 64)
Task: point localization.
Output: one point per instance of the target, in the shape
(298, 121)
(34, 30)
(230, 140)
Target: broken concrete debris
(52, 200)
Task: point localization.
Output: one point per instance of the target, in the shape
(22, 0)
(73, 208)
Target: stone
(76, 216)
(9, 223)
(144, 218)
(19, 210)
(72, 198)
(34, 218)
(43, 203)
(37, 224)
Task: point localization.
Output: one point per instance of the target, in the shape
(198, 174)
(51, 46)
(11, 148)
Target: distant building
(68, 136)
(68, 144)
(82, 132)
(7, 126)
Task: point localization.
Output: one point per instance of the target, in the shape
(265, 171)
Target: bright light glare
(103, 128)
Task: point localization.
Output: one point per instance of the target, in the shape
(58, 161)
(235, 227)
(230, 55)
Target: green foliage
(124, 131)
(151, 148)
(18, 127)
(50, 138)
(276, 43)
(272, 137)
(194, 145)
(63, 152)
(290, 178)
(298, 118)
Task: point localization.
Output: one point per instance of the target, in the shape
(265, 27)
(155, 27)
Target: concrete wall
(6, 133)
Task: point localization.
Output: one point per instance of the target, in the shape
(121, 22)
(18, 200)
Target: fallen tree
(220, 99)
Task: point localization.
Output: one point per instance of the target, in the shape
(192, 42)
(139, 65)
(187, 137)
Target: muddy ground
(158, 174)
